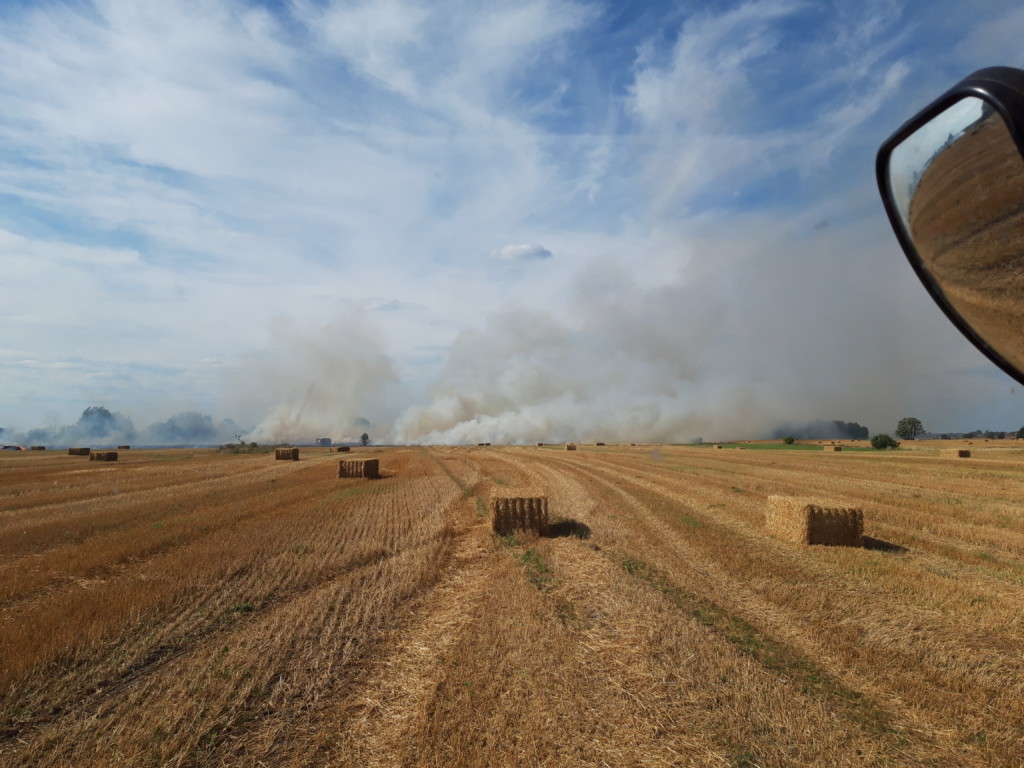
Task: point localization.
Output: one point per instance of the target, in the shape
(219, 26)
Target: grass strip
(771, 654)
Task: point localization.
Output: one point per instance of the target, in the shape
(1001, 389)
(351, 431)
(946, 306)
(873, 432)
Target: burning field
(200, 608)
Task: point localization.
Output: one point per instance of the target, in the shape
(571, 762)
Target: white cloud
(522, 252)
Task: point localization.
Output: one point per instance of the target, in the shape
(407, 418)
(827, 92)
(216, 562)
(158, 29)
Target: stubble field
(190, 608)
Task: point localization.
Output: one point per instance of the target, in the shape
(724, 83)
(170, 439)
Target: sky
(466, 222)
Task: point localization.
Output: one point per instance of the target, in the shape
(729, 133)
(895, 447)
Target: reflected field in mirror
(959, 185)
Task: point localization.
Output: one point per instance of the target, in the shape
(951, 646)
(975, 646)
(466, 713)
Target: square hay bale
(718, 447)
(570, 446)
(79, 451)
(344, 449)
(286, 454)
(540, 445)
(103, 456)
(956, 453)
(802, 521)
(832, 448)
(369, 468)
(598, 443)
(528, 513)
(37, 448)
(124, 447)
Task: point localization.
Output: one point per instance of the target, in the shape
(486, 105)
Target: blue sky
(507, 221)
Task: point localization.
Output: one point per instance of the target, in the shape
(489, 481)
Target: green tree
(1020, 433)
(364, 439)
(789, 439)
(909, 428)
(881, 442)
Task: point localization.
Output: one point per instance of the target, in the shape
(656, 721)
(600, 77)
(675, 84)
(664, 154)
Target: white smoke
(317, 382)
(762, 326)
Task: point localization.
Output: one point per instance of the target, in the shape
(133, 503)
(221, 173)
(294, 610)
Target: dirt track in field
(190, 608)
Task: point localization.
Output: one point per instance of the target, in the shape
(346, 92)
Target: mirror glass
(958, 183)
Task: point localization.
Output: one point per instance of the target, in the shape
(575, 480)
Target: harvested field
(197, 608)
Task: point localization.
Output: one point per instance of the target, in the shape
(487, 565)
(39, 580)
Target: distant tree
(789, 439)
(364, 439)
(881, 442)
(909, 428)
(1020, 433)
(944, 436)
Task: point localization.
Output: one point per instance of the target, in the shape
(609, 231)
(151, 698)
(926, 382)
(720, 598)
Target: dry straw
(344, 449)
(511, 513)
(286, 454)
(103, 456)
(79, 451)
(359, 468)
(832, 448)
(956, 453)
(570, 446)
(598, 443)
(804, 522)
(38, 448)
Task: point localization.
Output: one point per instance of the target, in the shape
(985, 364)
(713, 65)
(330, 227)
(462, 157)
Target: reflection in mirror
(958, 183)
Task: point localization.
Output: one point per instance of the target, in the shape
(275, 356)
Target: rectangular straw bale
(527, 513)
(369, 468)
(79, 451)
(344, 449)
(286, 454)
(37, 448)
(802, 521)
(718, 447)
(124, 447)
(570, 446)
(540, 445)
(103, 456)
(832, 448)
(598, 443)
(956, 453)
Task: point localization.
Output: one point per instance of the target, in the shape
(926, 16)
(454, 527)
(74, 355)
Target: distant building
(323, 441)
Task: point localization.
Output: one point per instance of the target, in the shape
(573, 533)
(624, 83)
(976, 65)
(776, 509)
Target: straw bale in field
(519, 513)
(37, 448)
(598, 443)
(570, 446)
(804, 522)
(124, 447)
(369, 468)
(286, 454)
(718, 447)
(79, 451)
(540, 445)
(956, 453)
(344, 449)
(832, 448)
(103, 456)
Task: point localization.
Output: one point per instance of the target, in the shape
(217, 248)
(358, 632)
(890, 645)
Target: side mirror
(952, 180)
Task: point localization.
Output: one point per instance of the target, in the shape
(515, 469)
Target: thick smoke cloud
(327, 381)
(774, 324)
(99, 427)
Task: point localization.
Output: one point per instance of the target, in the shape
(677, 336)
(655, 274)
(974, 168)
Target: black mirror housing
(963, 254)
